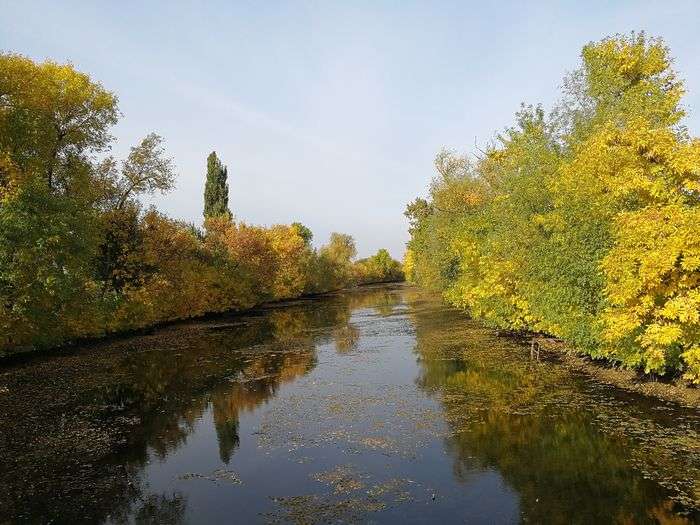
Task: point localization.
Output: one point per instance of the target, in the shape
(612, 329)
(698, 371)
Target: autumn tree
(577, 224)
(380, 267)
(303, 231)
(340, 248)
(79, 255)
(146, 170)
(293, 255)
(53, 119)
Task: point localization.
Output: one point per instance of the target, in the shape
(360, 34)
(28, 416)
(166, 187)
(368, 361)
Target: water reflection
(144, 395)
(540, 427)
(412, 412)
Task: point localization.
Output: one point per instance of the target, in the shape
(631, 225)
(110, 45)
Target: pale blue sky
(330, 113)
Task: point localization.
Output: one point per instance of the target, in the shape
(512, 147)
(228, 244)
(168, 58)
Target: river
(375, 405)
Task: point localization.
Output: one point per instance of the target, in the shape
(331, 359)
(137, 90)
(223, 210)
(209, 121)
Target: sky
(330, 113)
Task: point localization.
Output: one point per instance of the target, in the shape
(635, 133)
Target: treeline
(582, 223)
(79, 254)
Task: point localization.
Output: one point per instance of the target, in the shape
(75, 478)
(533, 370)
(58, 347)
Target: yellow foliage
(409, 264)
(582, 224)
(653, 286)
(292, 254)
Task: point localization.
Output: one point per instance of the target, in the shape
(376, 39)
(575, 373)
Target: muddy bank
(674, 390)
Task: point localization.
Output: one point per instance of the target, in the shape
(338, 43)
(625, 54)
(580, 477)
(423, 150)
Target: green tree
(216, 188)
(53, 119)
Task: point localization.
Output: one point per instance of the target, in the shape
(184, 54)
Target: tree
(293, 253)
(340, 249)
(216, 188)
(335, 260)
(53, 119)
(582, 224)
(378, 268)
(303, 231)
(146, 170)
(79, 256)
(47, 246)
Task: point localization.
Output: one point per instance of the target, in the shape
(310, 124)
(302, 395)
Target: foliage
(53, 119)
(379, 268)
(579, 224)
(145, 171)
(47, 243)
(216, 188)
(79, 256)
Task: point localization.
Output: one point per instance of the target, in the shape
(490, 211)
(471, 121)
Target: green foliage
(536, 233)
(53, 119)
(47, 245)
(304, 232)
(216, 188)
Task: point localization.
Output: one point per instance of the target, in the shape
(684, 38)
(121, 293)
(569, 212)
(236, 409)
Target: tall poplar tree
(216, 188)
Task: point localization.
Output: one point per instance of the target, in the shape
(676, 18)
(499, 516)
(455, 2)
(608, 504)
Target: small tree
(216, 188)
(145, 171)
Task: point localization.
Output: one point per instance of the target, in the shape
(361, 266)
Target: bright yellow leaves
(631, 76)
(409, 265)
(293, 256)
(653, 268)
(583, 225)
(48, 112)
(653, 286)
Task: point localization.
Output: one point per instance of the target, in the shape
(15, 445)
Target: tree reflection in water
(543, 429)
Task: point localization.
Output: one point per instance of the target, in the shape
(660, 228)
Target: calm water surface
(379, 405)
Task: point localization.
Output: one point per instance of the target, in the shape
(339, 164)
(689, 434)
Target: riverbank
(23, 355)
(606, 372)
(675, 391)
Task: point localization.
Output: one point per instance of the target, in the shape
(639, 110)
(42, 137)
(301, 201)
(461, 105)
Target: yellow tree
(653, 269)
(293, 254)
(53, 119)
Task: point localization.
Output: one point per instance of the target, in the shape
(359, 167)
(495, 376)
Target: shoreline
(23, 356)
(605, 372)
(629, 380)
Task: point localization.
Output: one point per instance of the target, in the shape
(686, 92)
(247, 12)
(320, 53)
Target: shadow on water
(375, 404)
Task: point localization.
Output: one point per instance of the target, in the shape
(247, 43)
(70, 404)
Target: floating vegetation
(351, 499)
(219, 475)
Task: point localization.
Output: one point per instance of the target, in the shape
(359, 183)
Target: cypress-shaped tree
(216, 188)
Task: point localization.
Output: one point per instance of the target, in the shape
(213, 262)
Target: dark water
(378, 405)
